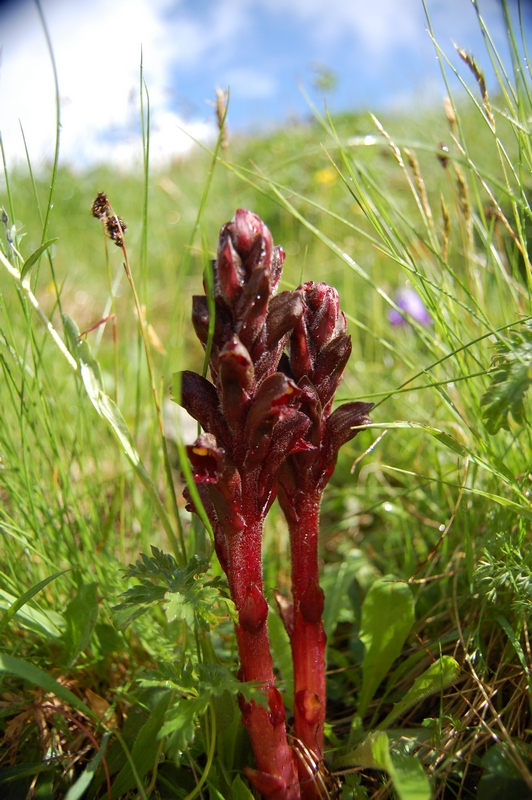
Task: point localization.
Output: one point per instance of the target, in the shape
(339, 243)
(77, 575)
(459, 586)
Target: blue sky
(264, 50)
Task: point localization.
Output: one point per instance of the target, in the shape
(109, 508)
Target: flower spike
(275, 363)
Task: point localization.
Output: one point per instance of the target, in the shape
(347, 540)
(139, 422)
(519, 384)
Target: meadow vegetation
(425, 527)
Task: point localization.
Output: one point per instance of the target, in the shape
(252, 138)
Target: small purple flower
(411, 304)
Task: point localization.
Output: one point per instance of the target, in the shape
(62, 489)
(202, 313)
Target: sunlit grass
(439, 205)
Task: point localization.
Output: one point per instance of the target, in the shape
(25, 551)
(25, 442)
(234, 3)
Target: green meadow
(106, 695)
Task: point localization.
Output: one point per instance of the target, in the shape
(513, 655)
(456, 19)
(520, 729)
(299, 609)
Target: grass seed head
(100, 207)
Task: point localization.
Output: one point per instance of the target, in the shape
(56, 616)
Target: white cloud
(252, 45)
(97, 49)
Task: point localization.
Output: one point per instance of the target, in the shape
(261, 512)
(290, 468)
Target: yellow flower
(327, 175)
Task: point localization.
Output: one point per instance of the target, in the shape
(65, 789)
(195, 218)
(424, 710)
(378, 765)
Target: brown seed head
(100, 207)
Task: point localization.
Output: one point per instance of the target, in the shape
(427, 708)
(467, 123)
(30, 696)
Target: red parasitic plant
(275, 362)
(319, 349)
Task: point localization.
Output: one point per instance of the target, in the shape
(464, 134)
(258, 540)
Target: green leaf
(186, 593)
(239, 790)
(511, 372)
(35, 256)
(44, 622)
(78, 789)
(507, 628)
(280, 644)
(24, 598)
(337, 580)
(182, 720)
(36, 676)
(144, 750)
(81, 615)
(110, 641)
(92, 380)
(107, 409)
(12, 774)
(387, 618)
(501, 779)
(442, 673)
(405, 771)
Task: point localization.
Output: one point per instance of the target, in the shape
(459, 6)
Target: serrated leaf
(511, 375)
(215, 679)
(387, 618)
(35, 256)
(208, 680)
(442, 673)
(186, 593)
(178, 607)
(182, 720)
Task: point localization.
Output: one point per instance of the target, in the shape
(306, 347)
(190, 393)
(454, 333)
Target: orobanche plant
(269, 430)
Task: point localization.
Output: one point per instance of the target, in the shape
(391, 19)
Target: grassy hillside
(141, 701)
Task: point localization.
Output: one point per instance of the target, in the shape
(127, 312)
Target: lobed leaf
(511, 377)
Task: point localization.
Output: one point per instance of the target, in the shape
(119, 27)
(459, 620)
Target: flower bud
(330, 365)
(283, 312)
(251, 238)
(236, 380)
(345, 422)
(323, 303)
(229, 274)
(269, 405)
(252, 306)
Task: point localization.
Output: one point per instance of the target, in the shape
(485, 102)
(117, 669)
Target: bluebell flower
(412, 307)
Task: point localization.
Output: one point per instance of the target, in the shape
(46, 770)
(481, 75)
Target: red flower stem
(307, 637)
(277, 775)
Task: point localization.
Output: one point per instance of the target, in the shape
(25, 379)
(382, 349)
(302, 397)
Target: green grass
(440, 500)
